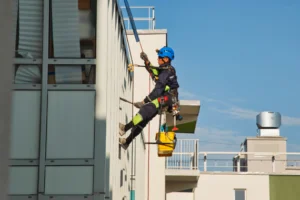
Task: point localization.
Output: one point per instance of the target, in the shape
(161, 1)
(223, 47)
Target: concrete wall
(180, 195)
(221, 186)
(121, 163)
(141, 169)
(68, 144)
(155, 166)
(263, 163)
(112, 170)
(284, 187)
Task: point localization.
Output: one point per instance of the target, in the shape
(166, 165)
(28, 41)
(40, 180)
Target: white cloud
(213, 100)
(218, 139)
(184, 94)
(237, 100)
(242, 113)
(215, 139)
(290, 121)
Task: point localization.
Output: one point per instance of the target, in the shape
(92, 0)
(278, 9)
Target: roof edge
(266, 138)
(148, 32)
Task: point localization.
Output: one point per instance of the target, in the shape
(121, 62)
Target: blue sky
(238, 58)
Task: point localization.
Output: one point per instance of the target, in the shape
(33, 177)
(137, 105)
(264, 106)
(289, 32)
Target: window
(240, 194)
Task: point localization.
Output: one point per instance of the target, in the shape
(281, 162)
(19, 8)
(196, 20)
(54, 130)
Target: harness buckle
(163, 99)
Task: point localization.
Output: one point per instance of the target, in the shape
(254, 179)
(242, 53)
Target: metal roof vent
(268, 123)
(268, 120)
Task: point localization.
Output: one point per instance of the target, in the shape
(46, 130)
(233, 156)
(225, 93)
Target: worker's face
(162, 60)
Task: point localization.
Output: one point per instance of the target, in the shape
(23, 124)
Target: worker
(163, 96)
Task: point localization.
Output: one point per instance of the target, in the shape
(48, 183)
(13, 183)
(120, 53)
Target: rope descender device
(175, 113)
(131, 67)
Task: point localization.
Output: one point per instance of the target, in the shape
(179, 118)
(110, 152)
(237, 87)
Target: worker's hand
(144, 56)
(139, 104)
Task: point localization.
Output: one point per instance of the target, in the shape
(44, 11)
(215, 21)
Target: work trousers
(147, 112)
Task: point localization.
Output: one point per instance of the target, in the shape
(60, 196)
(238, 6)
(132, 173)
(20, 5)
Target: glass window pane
(70, 125)
(239, 194)
(25, 129)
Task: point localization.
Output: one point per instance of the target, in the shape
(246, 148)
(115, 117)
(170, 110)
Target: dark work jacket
(166, 77)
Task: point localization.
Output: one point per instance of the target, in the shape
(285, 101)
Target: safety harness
(169, 101)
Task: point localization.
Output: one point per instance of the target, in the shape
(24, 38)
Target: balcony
(187, 157)
(182, 168)
(187, 164)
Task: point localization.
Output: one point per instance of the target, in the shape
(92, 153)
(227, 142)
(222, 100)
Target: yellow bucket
(165, 150)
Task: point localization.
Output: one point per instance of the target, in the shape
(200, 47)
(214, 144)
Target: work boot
(123, 143)
(122, 129)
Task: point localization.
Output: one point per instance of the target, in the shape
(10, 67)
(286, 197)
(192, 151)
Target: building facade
(241, 186)
(264, 170)
(70, 71)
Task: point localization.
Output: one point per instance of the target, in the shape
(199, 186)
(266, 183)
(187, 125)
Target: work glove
(144, 56)
(138, 104)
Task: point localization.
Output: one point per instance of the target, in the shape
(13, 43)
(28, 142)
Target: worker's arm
(152, 71)
(149, 67)
(159, 87)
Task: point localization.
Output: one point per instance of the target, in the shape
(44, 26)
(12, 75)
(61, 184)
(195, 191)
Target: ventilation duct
(66, 39)
(268, 123)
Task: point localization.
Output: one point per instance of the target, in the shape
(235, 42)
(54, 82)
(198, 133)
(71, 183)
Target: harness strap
(155, 77)
(163, 99)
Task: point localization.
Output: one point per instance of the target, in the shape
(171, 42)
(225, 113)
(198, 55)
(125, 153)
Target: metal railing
(187, 157)
(150, 19)
(184, 155)
(268, 162)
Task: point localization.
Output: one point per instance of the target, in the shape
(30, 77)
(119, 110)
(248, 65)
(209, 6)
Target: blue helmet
(166, 52)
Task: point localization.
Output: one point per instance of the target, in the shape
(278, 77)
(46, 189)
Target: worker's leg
(146, 114)
(124, 128)
(136, 120)
(135, 131)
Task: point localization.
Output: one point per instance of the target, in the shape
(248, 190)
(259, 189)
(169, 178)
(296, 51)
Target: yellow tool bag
(166, 142)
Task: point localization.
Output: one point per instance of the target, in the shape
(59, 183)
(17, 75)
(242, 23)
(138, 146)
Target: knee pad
(137, 119)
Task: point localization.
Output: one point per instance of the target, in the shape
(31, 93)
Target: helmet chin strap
(166, 62)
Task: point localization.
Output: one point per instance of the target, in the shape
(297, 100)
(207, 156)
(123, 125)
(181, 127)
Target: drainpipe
(133, 170)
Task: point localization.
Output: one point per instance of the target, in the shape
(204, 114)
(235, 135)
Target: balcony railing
(187, 157)
(147, 21)
(184, 155)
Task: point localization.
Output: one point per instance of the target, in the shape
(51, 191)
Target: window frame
(240, 189)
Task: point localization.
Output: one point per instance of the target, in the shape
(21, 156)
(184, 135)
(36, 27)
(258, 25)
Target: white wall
(180, 196)
(116, 80)
(154, 174)
(119, 85)
(215, 186)
(112, 81)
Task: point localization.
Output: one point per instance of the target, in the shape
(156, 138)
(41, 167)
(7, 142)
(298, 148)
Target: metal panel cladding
(65, 22)
(30, 28)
